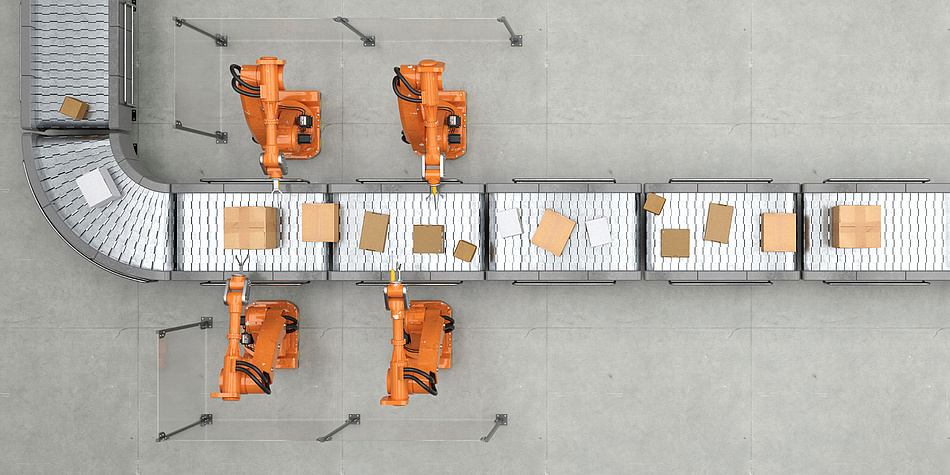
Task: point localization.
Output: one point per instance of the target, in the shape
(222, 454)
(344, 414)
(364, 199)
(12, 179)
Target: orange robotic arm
(422, 344)
(286, 124)
(433, 120)
(267, 331)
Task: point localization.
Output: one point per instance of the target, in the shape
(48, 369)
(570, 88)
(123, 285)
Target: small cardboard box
(74, 108)
(779, 232)
(250, 227)
(553, 232)
(320, 222)
(856, 227)
(509, 223)
(674, 243)
(428, 239)
(718, 223)
(465, 251)
(654, 203)
(598, 232)
(375, 229)
(97, 187)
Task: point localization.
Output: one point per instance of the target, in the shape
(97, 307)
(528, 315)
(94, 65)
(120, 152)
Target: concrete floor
(636, 378)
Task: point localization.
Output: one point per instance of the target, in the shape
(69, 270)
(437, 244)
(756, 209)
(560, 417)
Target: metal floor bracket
(352, 419)
(500, 420)
(203, 324)
(202, 421)
(220, 138)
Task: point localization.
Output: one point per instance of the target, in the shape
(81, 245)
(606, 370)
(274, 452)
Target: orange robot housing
(433, 120)
(268, 332)
(286, 124)
(422, 345)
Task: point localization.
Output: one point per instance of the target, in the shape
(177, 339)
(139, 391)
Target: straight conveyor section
(742, 258)
(457, 207)
(81, 49)
(515, 258)
(915, 230)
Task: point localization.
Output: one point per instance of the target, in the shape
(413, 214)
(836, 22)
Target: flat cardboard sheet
(509, 223)
(718, 223)
(654, 203)
(97, 187)
(598, 231)
(374, 232)
(465, 251)
(428, 239)
(856, 227)
(674, 243)
(250, 227)
(553, 232)
(779, 232)
(320, 222)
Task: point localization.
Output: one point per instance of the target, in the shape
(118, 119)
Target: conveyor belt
(200, 234)
(915, 227)
(743, 254)
(75, 48)
(132, 230)
(515, 258)
(459, 208)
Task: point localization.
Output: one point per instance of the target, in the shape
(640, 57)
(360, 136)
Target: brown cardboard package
(250, 227)
(779, 232)
(553, 232)
(74, 108)
(428, 239)
(375, 229)
(718, 223)
(856, 227)
(320, 222)
(465, 251)
(654, 203)
(674, 243)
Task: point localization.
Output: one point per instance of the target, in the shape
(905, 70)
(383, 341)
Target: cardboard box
(375, 229)
(509, 223)
(553, 232)
(856, 227)
(428, 239)
(250, 227)
(718, 223)
(465, 251)
(320, 222)
(598, 232)
(74, 108)
(779, 232)
(98, 187)
(674, 243)
(654, 203)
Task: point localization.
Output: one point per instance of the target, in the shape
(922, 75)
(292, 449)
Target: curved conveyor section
(131, 235)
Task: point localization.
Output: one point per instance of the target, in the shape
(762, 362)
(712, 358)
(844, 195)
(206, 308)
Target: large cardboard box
(74, 108)
(320, 222)
(465, 251)
(428, 239)
(97, 187)
(654, 203)
(374, 232)
(553, 232)
(509, 223)
(598, 232)
(674, 243)
(856, 227)
(718, 223)
(779, 232)
(250, 227)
